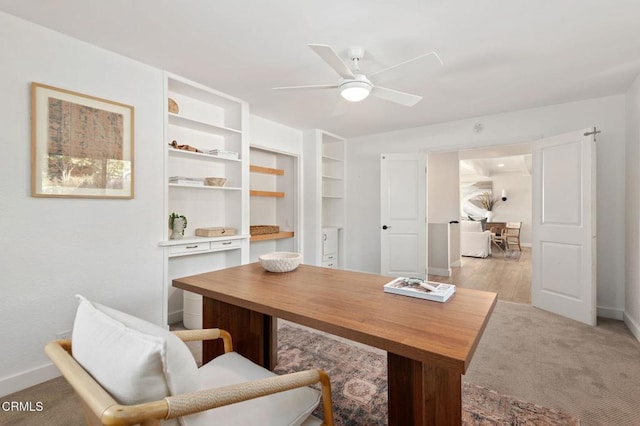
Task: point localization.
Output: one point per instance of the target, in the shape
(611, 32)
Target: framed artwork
(81, 146)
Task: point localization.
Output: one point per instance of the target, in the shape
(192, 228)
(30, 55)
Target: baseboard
(612, 313)
(26, 379)
(633, 326)
(456, 264)
(174, 317)
(442, 272)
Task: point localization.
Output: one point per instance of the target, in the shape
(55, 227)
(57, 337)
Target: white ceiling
(499, 55)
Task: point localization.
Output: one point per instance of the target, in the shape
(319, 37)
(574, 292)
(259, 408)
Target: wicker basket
(263, 229)
(215, 181)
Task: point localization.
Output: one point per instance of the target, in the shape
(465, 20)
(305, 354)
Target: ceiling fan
(355, 86)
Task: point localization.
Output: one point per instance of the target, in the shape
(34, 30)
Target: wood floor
(507, 274)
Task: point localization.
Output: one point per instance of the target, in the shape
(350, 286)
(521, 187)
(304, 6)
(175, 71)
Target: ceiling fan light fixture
(355, 91)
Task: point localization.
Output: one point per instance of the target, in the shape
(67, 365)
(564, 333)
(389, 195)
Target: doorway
(501, 172)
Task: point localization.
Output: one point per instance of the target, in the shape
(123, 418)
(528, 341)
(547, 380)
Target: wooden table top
(353, 305)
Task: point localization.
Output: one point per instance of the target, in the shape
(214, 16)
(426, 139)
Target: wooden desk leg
(254, 334)
(422, 395)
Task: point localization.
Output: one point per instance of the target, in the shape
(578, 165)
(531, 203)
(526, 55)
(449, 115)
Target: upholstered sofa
(474, 242)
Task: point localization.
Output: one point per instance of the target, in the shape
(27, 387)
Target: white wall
(54, 248)
(608, 114)
(632, 293)
(443, 186)
(518, 207)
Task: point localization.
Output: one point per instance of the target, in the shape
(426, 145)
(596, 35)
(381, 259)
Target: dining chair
(512, 235)
(129, 371)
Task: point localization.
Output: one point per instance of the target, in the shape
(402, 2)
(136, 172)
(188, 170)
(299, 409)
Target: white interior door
(403, 230)
(564, 226)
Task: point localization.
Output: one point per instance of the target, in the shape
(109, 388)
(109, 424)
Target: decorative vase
(489, 216)
(178, 228)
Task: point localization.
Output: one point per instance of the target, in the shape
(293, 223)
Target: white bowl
(280, 261)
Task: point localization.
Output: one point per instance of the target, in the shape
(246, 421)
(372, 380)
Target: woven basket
(263, 229)
(215, 181)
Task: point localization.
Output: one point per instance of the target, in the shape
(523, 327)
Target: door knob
(386, 227)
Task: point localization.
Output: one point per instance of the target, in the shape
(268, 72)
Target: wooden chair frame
(101, 409)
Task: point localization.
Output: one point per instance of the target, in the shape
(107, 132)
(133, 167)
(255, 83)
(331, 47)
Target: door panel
(403, 232)
(564, 223)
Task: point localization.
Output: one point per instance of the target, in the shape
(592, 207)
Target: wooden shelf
(275, 194)
(265, 237)
(266, 170)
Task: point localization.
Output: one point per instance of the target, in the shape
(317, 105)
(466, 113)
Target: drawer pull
(191, 247)
(227, 243)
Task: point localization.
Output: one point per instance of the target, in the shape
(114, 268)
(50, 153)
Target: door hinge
(594, 133)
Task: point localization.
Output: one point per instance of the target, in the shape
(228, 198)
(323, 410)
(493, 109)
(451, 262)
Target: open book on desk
(416, 287)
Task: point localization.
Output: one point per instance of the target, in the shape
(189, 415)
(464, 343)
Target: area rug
(359, 384)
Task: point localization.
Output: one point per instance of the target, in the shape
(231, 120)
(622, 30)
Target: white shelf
(332, 177)
(327, 157)
(220, 188)
(173, 151)
(331, 196)
(179, 120)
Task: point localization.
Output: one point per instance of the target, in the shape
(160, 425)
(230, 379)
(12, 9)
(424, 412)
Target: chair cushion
(470, 226)
(134, 360)
(285, 408)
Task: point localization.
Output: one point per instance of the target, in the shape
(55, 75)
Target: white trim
(634, 327)
(174, 317)
(26, 379)
(612, 313)
(443, 272)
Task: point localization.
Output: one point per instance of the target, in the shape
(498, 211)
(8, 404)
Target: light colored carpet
(592, 373)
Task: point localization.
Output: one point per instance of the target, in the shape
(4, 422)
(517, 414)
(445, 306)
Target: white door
(403, 231)
(564, 226)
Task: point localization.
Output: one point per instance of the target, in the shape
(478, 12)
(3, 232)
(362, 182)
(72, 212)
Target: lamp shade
(355, 91)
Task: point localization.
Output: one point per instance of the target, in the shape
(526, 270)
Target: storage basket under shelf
(263, 229)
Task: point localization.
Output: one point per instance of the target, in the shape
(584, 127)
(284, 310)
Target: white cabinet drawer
(225, 245)
(189, 248)
(330, 261)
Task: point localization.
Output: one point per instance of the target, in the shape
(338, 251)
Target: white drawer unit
(194, 246)
(184, 249)
(225, 245)
(330, 261)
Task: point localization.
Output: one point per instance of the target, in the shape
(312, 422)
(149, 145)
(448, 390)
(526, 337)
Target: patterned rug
(359, 384)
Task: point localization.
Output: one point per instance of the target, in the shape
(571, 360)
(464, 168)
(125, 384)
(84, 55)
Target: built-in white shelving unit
(324, 157)
(206, 120)
(273, 200)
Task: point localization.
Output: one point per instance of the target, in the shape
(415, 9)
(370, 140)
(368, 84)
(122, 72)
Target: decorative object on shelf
(280, 261)
(174, 145)
(177, 224)
(173, 106)
(263, 229)
(215, 181)
(215, 232)
(81, 146)
(184, 180)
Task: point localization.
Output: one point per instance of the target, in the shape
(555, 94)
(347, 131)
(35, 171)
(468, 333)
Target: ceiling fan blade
(402, 98)
(330, 57)
(432, 55)
(311, 87)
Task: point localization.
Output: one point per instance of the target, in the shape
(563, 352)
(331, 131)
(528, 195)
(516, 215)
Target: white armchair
(474, 242)
(128, 371)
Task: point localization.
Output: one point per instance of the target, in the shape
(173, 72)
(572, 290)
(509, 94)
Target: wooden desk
(429, 344)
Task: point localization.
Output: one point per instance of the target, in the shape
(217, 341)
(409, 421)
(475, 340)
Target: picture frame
(81, 145)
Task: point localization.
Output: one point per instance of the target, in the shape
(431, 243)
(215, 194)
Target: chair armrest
(206, 334)
(194, 402)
